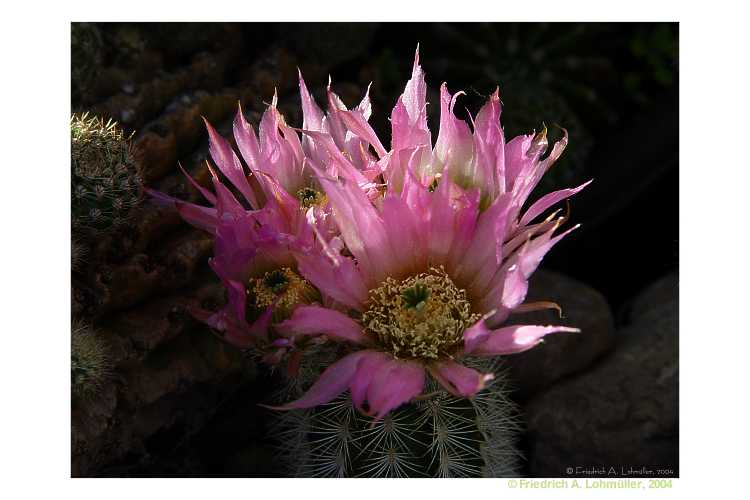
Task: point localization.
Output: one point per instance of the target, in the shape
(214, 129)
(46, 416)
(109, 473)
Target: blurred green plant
(655, 47)
(85, 58)
(90, 362)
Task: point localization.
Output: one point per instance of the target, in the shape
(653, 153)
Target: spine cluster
(105, 175)
(90, 366)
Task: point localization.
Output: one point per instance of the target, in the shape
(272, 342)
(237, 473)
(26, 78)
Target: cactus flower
(428, 273)
(281, 208)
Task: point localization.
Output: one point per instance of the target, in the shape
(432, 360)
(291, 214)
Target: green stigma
(416, 296)
(276, 281)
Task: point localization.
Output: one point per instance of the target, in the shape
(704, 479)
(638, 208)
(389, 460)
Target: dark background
(614, 87)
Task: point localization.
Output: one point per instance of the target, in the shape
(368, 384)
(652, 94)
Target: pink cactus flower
(428, 273)
(282, 208)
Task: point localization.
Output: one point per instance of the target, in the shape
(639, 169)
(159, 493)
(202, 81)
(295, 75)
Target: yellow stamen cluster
(309, 197)
(423, 316)
(284, 289)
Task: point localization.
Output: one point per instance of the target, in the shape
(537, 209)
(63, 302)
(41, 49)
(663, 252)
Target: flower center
(309, 197)
(423, 316)
(282, 288)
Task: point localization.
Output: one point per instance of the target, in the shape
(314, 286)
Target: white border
(34, 444)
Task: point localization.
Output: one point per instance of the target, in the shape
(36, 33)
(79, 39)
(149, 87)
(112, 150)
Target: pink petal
(280, 159)
(458, 379)
(514, 339)
(489, 142)
(511, 283)
(200, 217)
(355, 122)
(475, 335)
(454, 147)
(530, 258)
(340, 281)
(409, 116)
(415, 93)
(394, 384)
(204, 218)
(442, 223)
(479, 262)
(236, 296)
(315, 320)
(517, 159)
(371, 364)
(236, 247)
(229, 164)
(481, 172)
(361, 228)
(548, 200)
(247, 141)
(226, 203)
(312, 115)
(403, 228)
(279, 202)
(332, 382)
(243, 335)
(515, 287)
(231, 319)
(336, 127)
(208, 195)
(335, 163)
(487, 124)
(467, 213)
(259, 328)
(534, 171)
(364, 106)
(293, 143)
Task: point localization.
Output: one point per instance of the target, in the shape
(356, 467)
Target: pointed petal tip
(568, 329)
(302, 85)
(212, 172)
(239, 109)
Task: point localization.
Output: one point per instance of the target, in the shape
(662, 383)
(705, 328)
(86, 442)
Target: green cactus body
(438, 435)
(105, 175)
(90, 364)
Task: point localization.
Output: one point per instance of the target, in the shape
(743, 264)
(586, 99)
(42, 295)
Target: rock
(624, 411)
(206, 72)
(561, 354)
(171, 376)
(663, 293)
